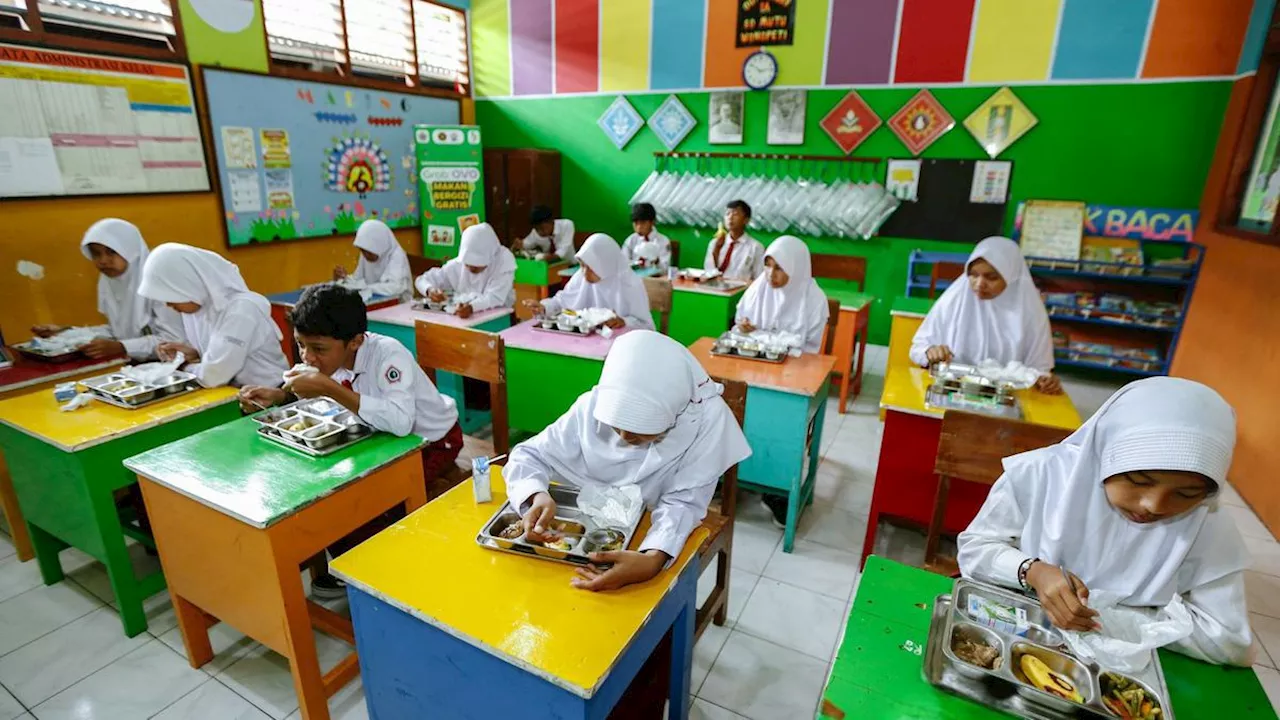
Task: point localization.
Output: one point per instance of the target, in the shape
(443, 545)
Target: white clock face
(760, 70)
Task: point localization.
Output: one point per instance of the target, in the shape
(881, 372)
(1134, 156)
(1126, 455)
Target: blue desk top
(289, 299)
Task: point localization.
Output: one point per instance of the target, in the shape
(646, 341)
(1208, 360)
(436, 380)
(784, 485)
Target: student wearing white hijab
(784, 297)
(997, 315)
(232, 338)
(656, 420)
(1125, 504)
(135, 325)
(483, 269)
(604, 281)
(383, 267)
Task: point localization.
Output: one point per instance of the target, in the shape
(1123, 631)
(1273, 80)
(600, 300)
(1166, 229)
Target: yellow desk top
(519, 609)
(905, 386)
(37, 414)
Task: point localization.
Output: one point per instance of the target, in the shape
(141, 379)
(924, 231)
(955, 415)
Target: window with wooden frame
(379, 43)
(1253, 187)
(140, 28)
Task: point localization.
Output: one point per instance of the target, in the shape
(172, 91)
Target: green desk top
(911, 306)
(232, 470)
(846, 291)
(877, 672)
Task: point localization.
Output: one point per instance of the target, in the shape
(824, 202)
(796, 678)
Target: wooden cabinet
(516, 180)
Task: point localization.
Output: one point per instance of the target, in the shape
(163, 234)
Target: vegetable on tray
(1128, 699)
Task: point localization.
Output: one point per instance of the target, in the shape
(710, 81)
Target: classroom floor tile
(138, 685)
(793, 617)
(764, 681)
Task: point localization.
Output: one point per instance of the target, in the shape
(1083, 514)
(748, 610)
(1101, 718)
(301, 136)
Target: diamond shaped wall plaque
(850, 122)
(1000, 121)
(920, 122)
(620, 122)
(672, 122)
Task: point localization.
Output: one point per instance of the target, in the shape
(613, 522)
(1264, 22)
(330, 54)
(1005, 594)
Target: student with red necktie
(735, 254)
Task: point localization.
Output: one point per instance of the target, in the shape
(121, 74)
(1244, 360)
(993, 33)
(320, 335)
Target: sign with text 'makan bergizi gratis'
(450, 184)
(765, 22)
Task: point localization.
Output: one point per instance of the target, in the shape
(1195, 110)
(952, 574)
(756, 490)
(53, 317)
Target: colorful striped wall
(553, 47)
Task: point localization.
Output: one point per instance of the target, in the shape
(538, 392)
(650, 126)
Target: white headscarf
(479, 245)
(618, 289)
(178, 273)
(127, 313)
(1010, 327)
(1160, 423)
(799, 307)
(392, 263)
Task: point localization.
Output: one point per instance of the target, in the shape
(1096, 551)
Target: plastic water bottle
(480, 485)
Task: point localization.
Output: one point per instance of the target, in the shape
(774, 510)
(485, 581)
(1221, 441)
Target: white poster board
(1052, 229)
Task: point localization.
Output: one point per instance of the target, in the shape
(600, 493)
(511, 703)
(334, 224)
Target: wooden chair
(971, 448)
(719, 522)
(833, 318)
(943, 271)
(841, 267)
(471, 354)
(660, 292)
(675, 253)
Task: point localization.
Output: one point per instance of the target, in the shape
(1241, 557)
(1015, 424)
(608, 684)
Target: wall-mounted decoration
(450, 184)
(672, 122)
(620, 122)
(356, 165)
(765, 22)
(850, 122)
(226, 33)
(920, 122)
(760, 70)
(1000, 121)
(786, 117)
(725, 110)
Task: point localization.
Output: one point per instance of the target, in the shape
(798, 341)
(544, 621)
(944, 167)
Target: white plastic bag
(154, 373)
(1129, 634)
(77, 402)
(611, 505)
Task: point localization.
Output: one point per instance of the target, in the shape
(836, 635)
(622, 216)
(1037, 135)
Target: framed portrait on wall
(786, 117)
(725, 116)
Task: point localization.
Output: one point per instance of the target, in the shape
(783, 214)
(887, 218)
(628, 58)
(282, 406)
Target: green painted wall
(1126, 144)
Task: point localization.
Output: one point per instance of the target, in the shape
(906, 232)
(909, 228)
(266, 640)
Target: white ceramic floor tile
(55, 662)
(229, 645)
(262, 676)
(1266, 632)
(793, 617)
(822, 569)
(703, 710)
(40, 611)
(212, 701)
(6, 546)
(829, 525)
(1265, 554)
(741, 583)
(10, 708)
(137, 685)
(705, 654)
(764, 681)
(1262, 592)
(1270, 680)
(1247, 523)
(753, 546)
(845, 487)
(346, 704)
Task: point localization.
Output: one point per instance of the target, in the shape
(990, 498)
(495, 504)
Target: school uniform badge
(393, 374)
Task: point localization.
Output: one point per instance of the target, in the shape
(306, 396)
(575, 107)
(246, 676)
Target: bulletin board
(79, 124)
(300, 160)
(944, 209)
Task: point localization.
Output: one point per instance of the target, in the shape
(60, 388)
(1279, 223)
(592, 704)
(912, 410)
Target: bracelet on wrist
(1023, 569)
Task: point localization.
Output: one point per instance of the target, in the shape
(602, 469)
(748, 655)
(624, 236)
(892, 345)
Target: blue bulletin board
(302, 159)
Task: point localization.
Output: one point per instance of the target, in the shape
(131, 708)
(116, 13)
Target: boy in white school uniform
(646, 246)
(549, 235)
(735, 254)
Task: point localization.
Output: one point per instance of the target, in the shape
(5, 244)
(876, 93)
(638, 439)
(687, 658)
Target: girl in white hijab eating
(135, 325)
(383, 267)
(997, 315)
(656, 420)
(605, 280)
(784, 297)
(483, 270)
(1125, 504)
(230, 334)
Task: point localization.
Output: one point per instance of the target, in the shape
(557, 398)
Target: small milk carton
(64, 392)
(480, 485)
(998, 616)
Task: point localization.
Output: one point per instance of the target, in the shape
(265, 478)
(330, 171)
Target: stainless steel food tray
(42, 355)
(943, 398)
(122, 391)
(568, 517)
(329, 426)
(722, 348)
(576, 332)
(431, 306)
(1002, 689)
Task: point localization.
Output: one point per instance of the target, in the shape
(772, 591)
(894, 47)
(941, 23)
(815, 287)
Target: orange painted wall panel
(1192, 38)
(724, 61)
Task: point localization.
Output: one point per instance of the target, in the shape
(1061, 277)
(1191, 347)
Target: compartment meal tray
(569, 521)
(759, 357)
(943, 399)
(1000, 688)
(571, 333)
(122, 391)
(329, 427)
(27, 351)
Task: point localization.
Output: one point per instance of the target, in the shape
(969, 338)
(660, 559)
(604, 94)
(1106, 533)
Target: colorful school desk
(546, 372)
(644, 272)
(26, 376)
(448, 629)
(700, 310)
(905, 484)
(878, 670)
(905, 315)
(534, 280)
(282, 304)
(67, 466)
(235, 516)
(397, 321)
(785, 414)
(851, 333)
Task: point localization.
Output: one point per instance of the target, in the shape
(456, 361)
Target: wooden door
(520, 191)
(495, 194)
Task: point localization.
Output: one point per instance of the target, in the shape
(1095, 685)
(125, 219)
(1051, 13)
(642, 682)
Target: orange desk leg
(219, 568)
(13, 515)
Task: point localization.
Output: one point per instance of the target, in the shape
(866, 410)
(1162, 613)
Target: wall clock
(760, 69)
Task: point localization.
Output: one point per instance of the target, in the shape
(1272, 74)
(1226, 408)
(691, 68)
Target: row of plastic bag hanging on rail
(811, 197)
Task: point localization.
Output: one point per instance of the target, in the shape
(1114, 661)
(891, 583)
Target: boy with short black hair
(549, 235)
(735, 254)
(371, 375)
(646, 247)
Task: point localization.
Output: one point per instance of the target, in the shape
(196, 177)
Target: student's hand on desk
(463, 311)
(937, 354)
(1049, 384)
(45, 331)
(1068, 610)
(541, 512)
(168, 351)
(103, 348)
(533, 306)
(313, 384)
(254, 398)
(745, 326)
(629, 568)
(435, 295)
(615, 322)
(339, 273)
(517, 245)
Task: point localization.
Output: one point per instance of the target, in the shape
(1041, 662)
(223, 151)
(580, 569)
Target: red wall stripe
(577, 46)
(933, 41)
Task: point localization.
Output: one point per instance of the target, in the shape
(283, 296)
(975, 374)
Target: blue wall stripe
(1101, 39)
(677, 39)
(1259, 19)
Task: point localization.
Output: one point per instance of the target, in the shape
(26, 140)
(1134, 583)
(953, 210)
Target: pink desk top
(405, 314)
(524, 337)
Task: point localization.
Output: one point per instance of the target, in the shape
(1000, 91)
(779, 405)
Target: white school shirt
(239, 346)
(562, 235)
(494, 286)
(747, 261)
(396, 396)
(633, 243)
